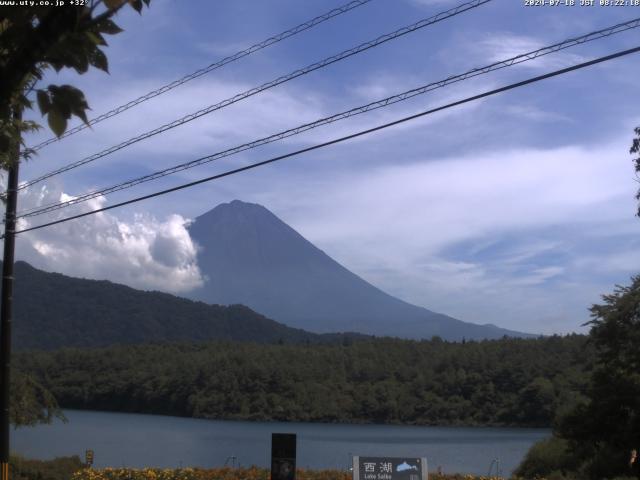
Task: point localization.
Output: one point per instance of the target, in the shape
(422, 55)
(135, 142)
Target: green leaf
(68, 100)
(57, 65)
(37, 71)
(113, 4)
(44, 102)
(82, 115)
(57, 122)
(29, 126)
(136, 5)
(99, 60)
(96, 38)
(25, 102)
(79, 110)
(5, 143)
(109, 27)
(80, 62)
(62, 106)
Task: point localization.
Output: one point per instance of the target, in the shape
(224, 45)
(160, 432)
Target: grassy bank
(252, 473)
(62, 468)
(71, 468)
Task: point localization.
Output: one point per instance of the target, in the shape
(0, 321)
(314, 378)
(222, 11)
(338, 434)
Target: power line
(278, 81)
(342, 139)
(339, 116)
(203, 71)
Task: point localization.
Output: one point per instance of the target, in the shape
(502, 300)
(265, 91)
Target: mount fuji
(249, 256)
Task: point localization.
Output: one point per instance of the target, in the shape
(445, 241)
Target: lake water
(120, 439)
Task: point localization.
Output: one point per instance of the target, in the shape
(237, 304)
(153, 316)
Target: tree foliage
(36, 38)
(31, 403)
(60, 468)
(32, 40)
(516, 382)
(605, 428)
(547, 458)
(635, 150)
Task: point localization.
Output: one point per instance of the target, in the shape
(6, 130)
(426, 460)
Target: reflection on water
(121, 439)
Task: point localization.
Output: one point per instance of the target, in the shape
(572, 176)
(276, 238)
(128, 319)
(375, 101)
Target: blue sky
(516, 210)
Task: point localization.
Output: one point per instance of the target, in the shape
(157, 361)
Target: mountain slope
(250, 256)
(52, 310)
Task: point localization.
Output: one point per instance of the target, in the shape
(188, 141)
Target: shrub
(61, 468)
(546, 458)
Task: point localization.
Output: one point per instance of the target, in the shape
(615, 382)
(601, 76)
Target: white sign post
(390, 468)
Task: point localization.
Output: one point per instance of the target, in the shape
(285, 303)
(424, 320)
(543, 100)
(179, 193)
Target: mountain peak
(240, 205)
(250, 256)
(241, 236)
(235, 207)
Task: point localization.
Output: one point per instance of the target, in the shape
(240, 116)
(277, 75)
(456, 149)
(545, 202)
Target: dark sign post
(283, 456)
(389, 468)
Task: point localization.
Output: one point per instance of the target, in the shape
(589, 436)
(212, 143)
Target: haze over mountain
(249, 256)
(52, 311)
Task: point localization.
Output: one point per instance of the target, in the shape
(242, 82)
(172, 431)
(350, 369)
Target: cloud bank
(145, 252)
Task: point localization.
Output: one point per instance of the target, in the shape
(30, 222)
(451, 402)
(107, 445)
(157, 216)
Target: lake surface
(132, 440)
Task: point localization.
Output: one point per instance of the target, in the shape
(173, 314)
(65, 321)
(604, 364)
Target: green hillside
(52, 311)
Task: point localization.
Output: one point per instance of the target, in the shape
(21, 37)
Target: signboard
(283, 456)
(389, 468)
(88, 457)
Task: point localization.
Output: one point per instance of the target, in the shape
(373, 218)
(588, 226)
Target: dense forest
(523, 382)
(53, 311)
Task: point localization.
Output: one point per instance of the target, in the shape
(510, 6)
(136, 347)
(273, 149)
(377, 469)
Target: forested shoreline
(507, 382)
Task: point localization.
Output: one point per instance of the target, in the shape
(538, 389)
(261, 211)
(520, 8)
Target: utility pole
(7, 300)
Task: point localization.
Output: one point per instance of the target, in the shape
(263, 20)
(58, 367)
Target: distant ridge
(250, 256)
(52, 311)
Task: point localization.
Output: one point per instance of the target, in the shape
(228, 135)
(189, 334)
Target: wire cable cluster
(343, 139)
(605, 32)
(278, 81)
(203, 71)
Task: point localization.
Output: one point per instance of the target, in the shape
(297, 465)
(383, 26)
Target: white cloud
(501, 46)
(222, 49)
(264, 114)
(144, 253)
(539, 276)
(268, 113)
(396, 224)
(456, 199)
(627, 261)
(535, 114)
(419, 230)
(431, 3)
